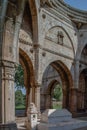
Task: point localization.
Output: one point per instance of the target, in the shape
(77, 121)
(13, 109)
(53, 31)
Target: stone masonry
(49, 39)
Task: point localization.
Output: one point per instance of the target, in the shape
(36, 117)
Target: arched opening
(82, 98)
(20, 92)
(84, 54)
(24, 82)
(82, 91)
(56, 74)
(56, 94)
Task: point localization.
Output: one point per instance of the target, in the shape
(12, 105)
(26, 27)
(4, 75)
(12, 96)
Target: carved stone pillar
(30, 96)
(7, 105)
(37, 97)
(73, 100)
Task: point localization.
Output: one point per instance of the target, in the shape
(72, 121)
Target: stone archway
(29, 80)
(64, 76)
(29, 83)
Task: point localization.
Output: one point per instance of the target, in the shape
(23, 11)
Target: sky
(80, 4)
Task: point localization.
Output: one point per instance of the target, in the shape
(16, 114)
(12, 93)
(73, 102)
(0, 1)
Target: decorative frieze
(24, 42)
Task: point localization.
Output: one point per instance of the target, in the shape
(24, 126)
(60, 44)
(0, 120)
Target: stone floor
(84, 119)
(82, 129)
(21, 123)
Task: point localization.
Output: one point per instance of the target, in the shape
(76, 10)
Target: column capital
(38, 85)
(8, 70)
(4, 63)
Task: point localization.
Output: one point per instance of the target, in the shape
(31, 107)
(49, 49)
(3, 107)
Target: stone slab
(53, 115)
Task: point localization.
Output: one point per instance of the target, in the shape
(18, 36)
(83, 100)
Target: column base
(10, 126)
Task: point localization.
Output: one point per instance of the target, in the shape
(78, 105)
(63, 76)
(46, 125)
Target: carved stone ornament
(60, 37)
(8, 73)
(31, 50)
(50, 3)
(43, 54)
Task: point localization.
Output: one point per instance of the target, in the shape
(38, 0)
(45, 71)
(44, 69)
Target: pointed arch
(34, 5)
(28, 67)
(65, 78)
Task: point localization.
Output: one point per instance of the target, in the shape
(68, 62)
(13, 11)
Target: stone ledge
(10, 126)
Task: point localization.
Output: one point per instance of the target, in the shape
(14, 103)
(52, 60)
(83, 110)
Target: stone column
(73, 91)
(0, 94)
(37, 97)
(76, 74)
(8, 92)
(42, 101)
(3, 8)
(48, 101)
(30, 96)
(64, 105)
(73, 100)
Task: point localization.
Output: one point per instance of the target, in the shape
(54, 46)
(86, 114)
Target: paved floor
(21, 122)
(84, 119)
(82, 129)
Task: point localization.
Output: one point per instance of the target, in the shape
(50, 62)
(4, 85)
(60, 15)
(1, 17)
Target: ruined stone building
(49, 39)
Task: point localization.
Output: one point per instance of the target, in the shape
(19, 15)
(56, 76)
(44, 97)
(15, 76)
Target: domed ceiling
(79, 4)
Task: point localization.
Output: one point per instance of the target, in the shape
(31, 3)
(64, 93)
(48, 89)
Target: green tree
(18, 97)
(58, 92)
(19, 77)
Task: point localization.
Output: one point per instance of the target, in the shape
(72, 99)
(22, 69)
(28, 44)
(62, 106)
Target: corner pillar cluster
(7, 105)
